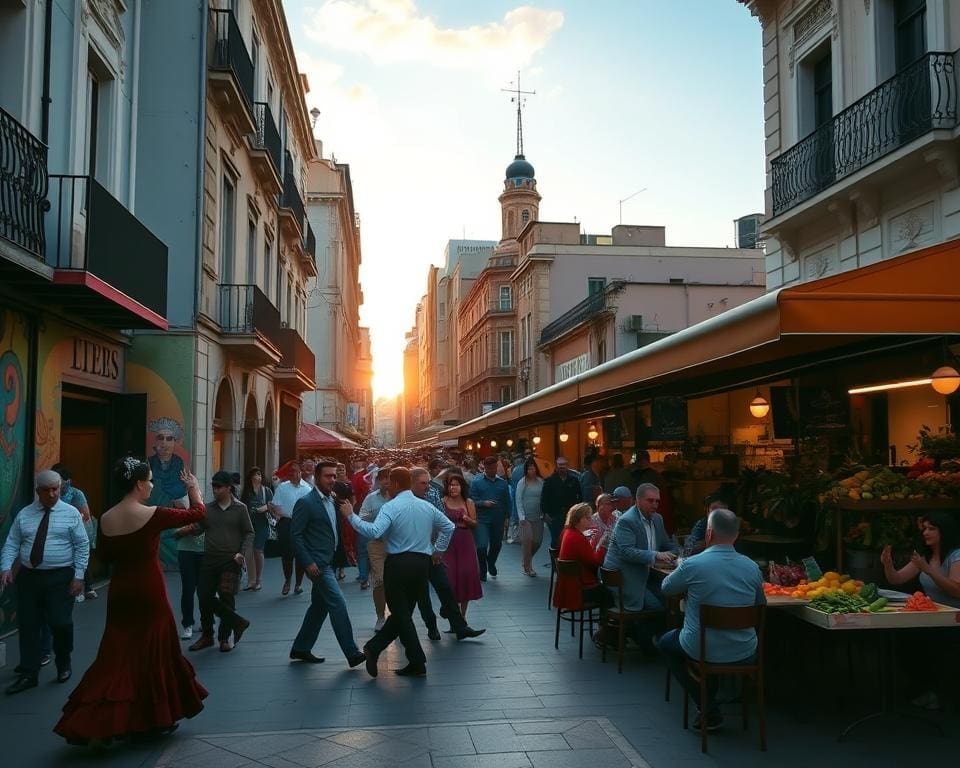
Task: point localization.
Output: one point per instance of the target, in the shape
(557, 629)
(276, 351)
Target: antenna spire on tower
(519, 99)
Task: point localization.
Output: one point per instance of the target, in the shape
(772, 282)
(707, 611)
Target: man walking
(376, 555)
(49, 545)
(227, 533)
(449, 609)
(288, 493)
(406, 524)
(316, 541)
(560, 492)
(491, 494)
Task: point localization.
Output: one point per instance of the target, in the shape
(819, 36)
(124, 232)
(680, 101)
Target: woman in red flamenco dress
(140, 684)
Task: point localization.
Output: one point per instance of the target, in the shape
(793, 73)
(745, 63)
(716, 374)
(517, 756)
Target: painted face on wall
(164, 443)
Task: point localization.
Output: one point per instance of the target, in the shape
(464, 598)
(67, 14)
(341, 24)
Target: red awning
(313, 437)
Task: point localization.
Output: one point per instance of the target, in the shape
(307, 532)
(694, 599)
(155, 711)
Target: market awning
(313, 437)
(905, 297)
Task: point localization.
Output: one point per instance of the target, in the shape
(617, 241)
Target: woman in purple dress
(461, 556)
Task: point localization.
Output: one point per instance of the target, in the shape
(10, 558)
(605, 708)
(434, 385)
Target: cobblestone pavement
(505, 699)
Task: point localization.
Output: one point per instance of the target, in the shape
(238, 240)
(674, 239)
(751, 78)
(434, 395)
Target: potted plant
(936, 446)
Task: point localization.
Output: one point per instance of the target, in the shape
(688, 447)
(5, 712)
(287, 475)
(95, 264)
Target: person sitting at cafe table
(603, 520)
(719, 576)
(574, 545)
(696, 541)
(638, 543)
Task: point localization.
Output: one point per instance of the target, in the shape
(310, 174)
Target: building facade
(342, 400)
(861, 126)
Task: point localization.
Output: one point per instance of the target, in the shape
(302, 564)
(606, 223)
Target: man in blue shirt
(491, 494)
(406, 525)
(719, 576)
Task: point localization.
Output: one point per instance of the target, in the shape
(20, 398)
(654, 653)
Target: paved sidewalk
(505, 699)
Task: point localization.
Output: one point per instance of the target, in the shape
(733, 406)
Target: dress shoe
(307, 656)
(242, 626)
(205, 641)
(21, 684)
(358, 658)
(371, 661)
(226, 646)
(469, 632)
(412, 671)
(64, 674)
(433, 633)
(493, 570)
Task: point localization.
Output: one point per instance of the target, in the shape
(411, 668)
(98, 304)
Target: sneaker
(45, 659)
(714, 722)
(92, 594)
(186, 633)
(379, 625)
(79, 598)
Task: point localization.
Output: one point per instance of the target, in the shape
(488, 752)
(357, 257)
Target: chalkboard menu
(668, 418)
(823, 410)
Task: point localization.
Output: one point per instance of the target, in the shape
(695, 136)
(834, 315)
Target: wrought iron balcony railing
(290, 196)
(245, 310)
(23, 186)
(267, 137)
(918, 99)
(230, 52)
(587, 309)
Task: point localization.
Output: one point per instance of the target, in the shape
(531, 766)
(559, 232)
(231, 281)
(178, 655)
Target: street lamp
(945, 380)
(759, 407)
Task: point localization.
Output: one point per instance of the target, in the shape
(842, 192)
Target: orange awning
(909, 296)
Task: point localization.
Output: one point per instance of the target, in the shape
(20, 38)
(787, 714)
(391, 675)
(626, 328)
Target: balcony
(292, 212)
(493, 372)
(112, 269)
(266, 149)
(917, 100)
(23, 198)
(250, 325)
(310, 252)
(231, 71)
(587, 310)
(296, 369)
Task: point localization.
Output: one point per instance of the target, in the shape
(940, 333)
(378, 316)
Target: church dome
(519, 169)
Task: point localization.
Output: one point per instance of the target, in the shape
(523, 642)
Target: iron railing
(23, 186)
(587, 309)
(229, 52)
(918, 99)
(245, 310)
(267, 137)
(89, 230)
(488, 373)
(296, 354)
(290, 196)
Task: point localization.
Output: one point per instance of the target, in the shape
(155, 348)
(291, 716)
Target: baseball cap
(221, 478)
(621, 492)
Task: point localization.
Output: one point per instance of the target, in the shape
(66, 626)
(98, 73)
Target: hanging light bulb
(509, 442)
(536, 439)
(564, 437)
(493, 443)
(592, 433)
(946, 380)
(469, 446)
(759, 407)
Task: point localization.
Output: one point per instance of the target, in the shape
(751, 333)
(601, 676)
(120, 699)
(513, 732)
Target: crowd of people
(409, 524)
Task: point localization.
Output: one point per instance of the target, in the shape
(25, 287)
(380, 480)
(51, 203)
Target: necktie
(40, 540)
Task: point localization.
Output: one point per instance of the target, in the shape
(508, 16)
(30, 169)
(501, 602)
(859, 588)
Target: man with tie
(49, 545)
(316, 541)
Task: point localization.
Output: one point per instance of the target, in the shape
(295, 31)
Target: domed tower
(519, 201)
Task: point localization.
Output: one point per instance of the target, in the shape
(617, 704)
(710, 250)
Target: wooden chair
(674, 621)
(716, 617)
(554, 553)
(583, 613)
(619, 617)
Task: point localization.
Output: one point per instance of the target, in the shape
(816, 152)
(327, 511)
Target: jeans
(189, 579)
(363, 562)
(44, 599)
(488, 536)
(405, 576)
(676, 660)
(326, 599)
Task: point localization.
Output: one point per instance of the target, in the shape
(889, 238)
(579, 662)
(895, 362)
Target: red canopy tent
(313, 437)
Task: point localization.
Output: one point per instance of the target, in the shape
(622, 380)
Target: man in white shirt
(49, 545)
(376, 554)
(288, 493)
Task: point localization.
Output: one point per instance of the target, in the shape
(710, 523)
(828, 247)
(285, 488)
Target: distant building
(747, 231)
(385, 422)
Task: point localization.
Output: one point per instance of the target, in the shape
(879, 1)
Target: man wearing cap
(622, 499)
(491, 494)
(227, 533)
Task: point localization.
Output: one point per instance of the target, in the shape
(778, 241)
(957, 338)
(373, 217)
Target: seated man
(696, 542)
(718, 576)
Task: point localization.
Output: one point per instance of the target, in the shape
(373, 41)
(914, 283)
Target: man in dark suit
(316, 541)
(560, 492)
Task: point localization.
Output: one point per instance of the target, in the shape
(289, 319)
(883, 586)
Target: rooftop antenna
(628, 197)
(519, 99)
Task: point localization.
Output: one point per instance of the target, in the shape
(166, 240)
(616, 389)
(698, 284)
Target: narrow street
(507, 699)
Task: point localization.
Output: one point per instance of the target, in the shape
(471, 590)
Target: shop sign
(579, 364)
(95, 363)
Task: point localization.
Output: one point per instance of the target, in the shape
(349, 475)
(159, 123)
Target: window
(506, 298)
(99, 99)
(289, 307)
(525, 216)
(506, 394)
(601, 351)
(596, 285)
(268, 268)
(506, 348)
(228, 194)
(255, 58)
(252, 251)
(910, 31)
(823, 90)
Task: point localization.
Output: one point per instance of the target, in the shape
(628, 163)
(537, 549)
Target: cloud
(394, 30)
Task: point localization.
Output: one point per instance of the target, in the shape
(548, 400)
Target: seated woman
(604, 520)
(574, 545)
(939, 571)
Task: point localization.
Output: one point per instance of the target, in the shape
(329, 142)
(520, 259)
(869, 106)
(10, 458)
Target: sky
(630, 95)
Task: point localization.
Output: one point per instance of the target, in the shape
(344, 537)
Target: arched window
(525, 216)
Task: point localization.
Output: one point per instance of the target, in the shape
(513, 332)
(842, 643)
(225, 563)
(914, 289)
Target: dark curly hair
(128, 471)
(949, 533)
(450, 477)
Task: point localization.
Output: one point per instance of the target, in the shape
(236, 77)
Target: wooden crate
(899, 619)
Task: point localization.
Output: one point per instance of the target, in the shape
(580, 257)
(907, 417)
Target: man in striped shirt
(46, 552)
